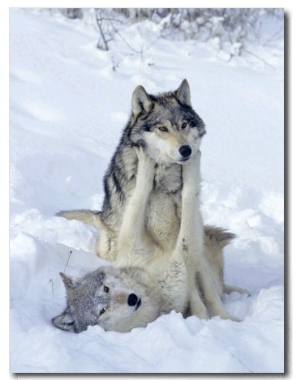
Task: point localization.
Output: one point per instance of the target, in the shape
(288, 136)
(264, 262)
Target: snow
(68, 107)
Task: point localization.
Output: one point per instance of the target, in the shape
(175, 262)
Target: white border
(292, 9)
(147, 3)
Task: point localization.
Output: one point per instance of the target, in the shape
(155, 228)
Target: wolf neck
(168, 179)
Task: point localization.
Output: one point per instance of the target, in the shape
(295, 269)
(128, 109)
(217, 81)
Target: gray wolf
(177, 273)
(121, 299)
(166, 132)
(116, 299)
(170, 132)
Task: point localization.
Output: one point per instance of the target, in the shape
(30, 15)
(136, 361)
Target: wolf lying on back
(127, 297)
(170, 132)
(121, 299)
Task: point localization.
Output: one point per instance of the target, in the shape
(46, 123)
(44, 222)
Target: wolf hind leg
(191, 224)
(189, 241)
(212, 298)
(196, 304)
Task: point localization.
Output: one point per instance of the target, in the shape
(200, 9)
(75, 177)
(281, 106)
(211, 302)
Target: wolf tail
(217, 237)
(90, 217)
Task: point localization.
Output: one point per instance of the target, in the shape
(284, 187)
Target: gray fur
(148, 111)
(165, 133)
(101, 298)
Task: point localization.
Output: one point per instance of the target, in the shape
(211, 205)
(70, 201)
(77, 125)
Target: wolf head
(112, 298)
(166, 125)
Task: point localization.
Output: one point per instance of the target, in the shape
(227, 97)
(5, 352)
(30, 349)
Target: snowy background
(69, 102)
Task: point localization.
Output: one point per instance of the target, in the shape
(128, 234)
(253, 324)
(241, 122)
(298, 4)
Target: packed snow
(69, 103)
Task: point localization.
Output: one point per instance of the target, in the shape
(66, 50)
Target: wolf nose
(132, 299)
(185, 151)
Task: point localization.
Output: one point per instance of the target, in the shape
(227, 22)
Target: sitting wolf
(123, 297)
(169, 132)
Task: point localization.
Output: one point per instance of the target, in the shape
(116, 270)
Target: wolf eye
(163, 129)
(106, 289)
(184, 125)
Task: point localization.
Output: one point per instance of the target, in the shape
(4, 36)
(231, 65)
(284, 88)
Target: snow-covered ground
(67, 110)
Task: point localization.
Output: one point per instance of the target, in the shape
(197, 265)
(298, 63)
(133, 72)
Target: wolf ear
(69, 284)
(140, 101)
(183, 93)
(64, 321)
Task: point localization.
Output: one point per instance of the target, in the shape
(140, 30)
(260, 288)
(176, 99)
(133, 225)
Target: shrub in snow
(230, 29)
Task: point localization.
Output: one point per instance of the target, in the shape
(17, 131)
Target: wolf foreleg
(132, 236)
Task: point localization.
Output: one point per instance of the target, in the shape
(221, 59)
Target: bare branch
(261, 59)
(70, 253)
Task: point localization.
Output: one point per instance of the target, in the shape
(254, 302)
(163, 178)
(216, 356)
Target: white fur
(154, 218)
(166, 150)
(176, 269)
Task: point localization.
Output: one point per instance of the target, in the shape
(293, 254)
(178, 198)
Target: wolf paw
(145, 166)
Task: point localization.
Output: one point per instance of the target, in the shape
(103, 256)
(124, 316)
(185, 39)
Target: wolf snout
(134, 300)
(185, 151)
